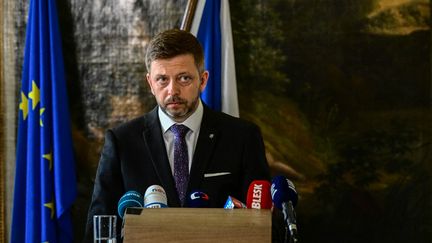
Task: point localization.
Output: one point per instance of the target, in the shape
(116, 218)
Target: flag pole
(189, 15)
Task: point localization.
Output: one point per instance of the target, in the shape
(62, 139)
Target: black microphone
(285, 197)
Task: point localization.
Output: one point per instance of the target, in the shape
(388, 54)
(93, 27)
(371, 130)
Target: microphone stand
(291, 224)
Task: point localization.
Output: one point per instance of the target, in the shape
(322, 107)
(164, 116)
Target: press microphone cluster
(154, 197)
(281, 193)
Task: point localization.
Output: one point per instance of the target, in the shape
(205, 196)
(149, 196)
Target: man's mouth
(174, 103)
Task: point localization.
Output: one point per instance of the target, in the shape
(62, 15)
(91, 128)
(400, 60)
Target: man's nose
(173, 87)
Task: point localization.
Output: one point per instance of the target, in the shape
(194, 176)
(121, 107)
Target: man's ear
(149, 82)
(204, 79)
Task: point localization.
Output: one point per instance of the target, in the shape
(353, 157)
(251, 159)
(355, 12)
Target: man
(224, 154)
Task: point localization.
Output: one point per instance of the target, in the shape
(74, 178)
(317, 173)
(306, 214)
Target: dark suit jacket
(134, 157)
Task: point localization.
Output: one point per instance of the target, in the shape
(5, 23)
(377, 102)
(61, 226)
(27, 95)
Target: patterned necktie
(181, 160)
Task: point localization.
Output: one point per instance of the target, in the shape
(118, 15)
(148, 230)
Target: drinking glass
(104, 228)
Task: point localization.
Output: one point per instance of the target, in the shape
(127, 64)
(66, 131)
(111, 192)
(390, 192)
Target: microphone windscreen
(233, 202)
(283, 190)
(155, 197)
(198, 199)
(258, 196)
(128, 200)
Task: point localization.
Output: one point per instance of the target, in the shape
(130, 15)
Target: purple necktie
(181, 160)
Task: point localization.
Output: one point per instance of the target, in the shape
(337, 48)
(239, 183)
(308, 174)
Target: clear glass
(104, 228)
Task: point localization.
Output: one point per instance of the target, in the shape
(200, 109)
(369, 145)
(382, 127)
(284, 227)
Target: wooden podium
(197, 225)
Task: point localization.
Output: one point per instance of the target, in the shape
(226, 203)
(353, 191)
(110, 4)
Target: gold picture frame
(2, 136)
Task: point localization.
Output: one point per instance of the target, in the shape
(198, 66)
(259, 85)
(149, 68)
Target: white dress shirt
(193, 123)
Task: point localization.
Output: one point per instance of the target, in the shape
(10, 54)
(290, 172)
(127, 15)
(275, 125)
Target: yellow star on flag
(24, 105)
(34, 95)
(49, 158)
(51, 206)
(40, 116)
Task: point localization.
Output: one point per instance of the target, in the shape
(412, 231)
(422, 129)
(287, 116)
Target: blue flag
(212, 26)
(45, 182)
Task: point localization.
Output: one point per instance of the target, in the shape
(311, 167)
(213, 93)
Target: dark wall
(342, 93)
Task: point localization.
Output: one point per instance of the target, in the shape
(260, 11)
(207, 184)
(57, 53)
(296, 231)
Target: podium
(197, 225)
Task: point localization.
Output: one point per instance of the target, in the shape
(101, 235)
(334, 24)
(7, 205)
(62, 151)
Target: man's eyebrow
(184, 73)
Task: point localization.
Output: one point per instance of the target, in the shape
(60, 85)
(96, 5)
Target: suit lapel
(207, 138)
(156, 148)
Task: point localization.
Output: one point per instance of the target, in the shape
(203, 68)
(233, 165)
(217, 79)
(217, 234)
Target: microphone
(128, 200)
(233, 202)
(285, 198)
(155, 197)
(198, 199)
(258, 195)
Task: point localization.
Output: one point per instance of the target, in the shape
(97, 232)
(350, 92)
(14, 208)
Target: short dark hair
(174, 42)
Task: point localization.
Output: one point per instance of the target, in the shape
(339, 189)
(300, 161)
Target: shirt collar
(193, 122)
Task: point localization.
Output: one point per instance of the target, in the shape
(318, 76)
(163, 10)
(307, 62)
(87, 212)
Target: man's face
(176, 85)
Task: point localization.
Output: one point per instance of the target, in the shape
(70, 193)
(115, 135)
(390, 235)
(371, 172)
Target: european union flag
(45, 182)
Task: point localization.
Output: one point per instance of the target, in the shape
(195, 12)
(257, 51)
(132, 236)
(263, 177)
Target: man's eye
(162, 80)
(185, 80)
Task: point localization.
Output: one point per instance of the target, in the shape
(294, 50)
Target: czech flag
(212, 26)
